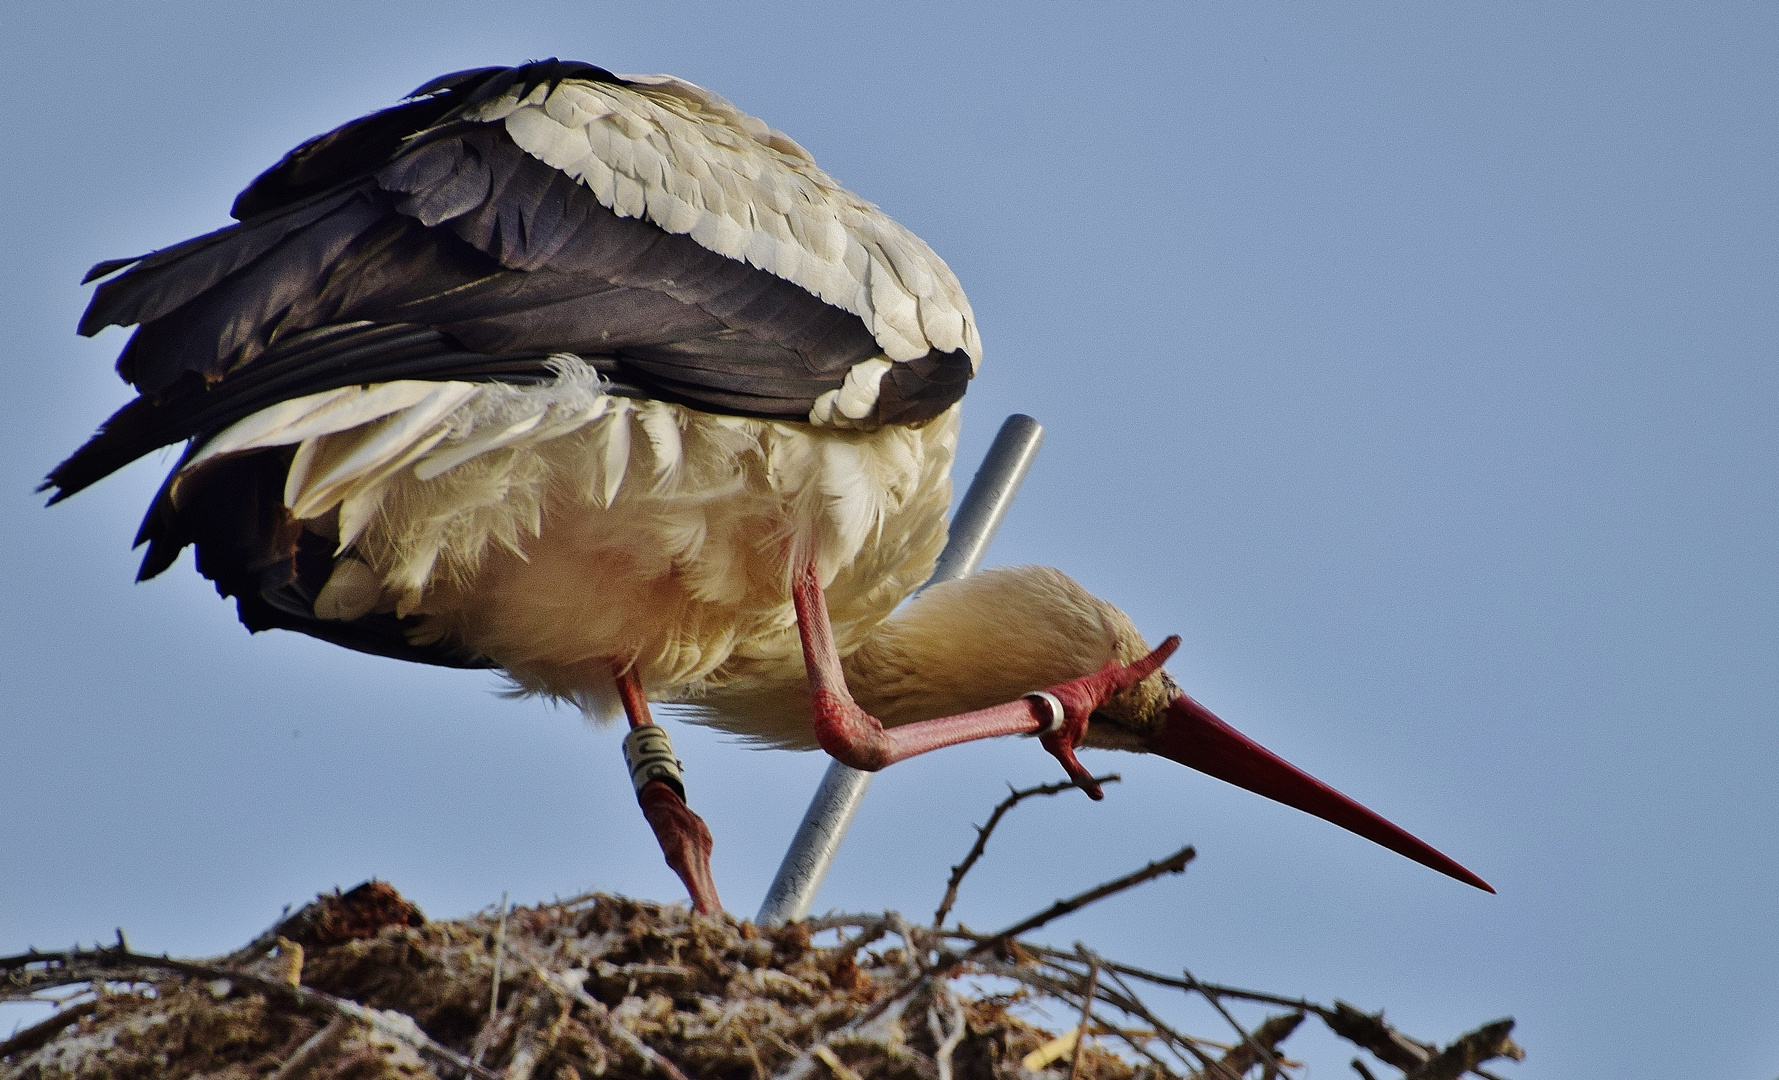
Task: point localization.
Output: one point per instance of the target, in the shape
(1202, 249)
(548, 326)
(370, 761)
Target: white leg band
(1054, 705)
(649, 753)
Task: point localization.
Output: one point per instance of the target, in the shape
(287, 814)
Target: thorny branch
(1173, 864)
(1013, 799)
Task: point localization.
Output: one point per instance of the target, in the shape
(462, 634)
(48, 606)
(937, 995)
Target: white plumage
(556, 528)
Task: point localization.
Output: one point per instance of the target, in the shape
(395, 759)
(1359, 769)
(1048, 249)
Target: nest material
(598, 986)
(359, 986)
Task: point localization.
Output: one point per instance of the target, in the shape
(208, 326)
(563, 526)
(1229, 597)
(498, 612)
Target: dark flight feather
(415, 244)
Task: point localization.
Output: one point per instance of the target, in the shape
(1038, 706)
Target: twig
(100, 965)
(944, 1042)
(314, 1048)
(602, 1016)
(45, 1030)
(500, 941)
(1370, 1032)
(1093, 985)
(950, 961)
(1485, 1043)
(1364, 1073)
(825, 1054)
(1130, 1041)
(260, 945)
(1269, 1034)
(1263, 1053)
(1135, 1007)
(982, 833)
(1065, 992)
(1363, 1030)
(1159, 979)
(1173, 864)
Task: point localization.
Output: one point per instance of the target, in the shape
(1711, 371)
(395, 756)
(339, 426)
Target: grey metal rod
(842, 789)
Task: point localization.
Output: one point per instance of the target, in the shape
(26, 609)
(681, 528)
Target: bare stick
(1068, 988)
(944, 1042)
(1370, 1032)
(1264, 1054)
(1173, 864)
(313, 1049)
(1361, 1029)
(1064, 991)
(950, 961)
(1093, 985)
(1135, 1007)
(1269, 1034)
(1469, 1051)
(983, 831)
(1159, 979)
(1129, 1041)
(43, 1031)
(500, 941)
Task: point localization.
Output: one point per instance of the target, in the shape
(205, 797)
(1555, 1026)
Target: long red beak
(1191, 735)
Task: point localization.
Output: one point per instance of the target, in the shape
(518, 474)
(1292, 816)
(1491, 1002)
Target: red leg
(682, 834)
(856, 738)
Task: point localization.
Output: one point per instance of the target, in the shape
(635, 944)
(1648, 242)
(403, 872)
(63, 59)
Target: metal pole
(842, 790)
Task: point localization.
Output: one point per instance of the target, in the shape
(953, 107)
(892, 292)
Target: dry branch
(1082, 1031)
(1267, 1036)
(1259, 1052)
(1484, 1044)
(1173, 864)
(1014, 798)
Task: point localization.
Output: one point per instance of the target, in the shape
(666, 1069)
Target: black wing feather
(415, 244)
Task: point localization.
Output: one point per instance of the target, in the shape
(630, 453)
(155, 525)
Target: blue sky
(1415, 363)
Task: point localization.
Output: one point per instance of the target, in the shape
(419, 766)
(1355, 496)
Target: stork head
(1033, 627)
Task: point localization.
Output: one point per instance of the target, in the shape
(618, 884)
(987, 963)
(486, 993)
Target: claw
(1065, 753)
(1080, 697)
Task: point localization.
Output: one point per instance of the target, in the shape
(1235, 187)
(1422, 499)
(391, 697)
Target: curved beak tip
(1193, 736)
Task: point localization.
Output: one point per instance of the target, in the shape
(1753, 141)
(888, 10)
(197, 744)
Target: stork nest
(360, 986)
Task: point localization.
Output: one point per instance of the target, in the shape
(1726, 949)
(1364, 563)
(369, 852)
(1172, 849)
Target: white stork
(598, 380)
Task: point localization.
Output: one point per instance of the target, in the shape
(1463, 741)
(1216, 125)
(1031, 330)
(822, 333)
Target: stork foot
(1078, 699)
(685, 841)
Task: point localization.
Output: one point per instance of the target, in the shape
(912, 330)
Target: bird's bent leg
(682, 834)
(853, 736)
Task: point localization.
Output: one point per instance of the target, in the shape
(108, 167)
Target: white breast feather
(691, 163)
(555, 528)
